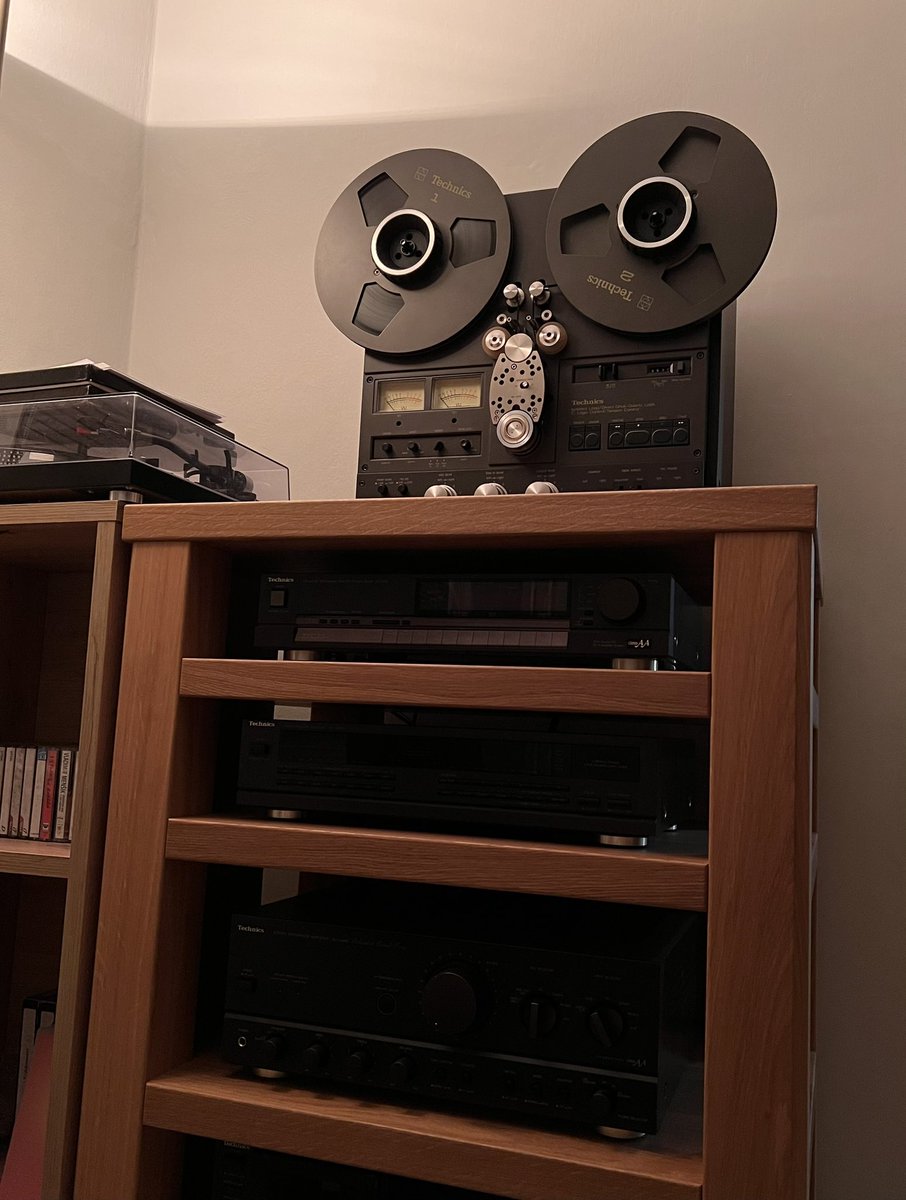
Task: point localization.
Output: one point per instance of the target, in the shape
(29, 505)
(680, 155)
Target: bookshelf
(63, 579)
(151, 1081)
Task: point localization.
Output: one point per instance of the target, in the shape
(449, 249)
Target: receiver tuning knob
(490, 489)
(541, 487)
(440, 489)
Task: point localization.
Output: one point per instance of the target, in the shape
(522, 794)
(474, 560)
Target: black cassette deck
(567, 616)
(621, 781)
(577, 339)
(564, 1010)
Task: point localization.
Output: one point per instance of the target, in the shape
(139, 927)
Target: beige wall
(74, 91)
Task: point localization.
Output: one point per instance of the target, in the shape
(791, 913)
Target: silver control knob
(514, 295)
(552, 337)
(493, 342)
(541, 487)
(490, 489)
(440, 489)
(539, 291)
(515, 430)
(519, 347)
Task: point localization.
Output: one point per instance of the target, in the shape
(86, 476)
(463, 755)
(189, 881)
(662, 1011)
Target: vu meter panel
(401, 395)
(457, 391)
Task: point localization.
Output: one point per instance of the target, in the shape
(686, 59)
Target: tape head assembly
(574, 340)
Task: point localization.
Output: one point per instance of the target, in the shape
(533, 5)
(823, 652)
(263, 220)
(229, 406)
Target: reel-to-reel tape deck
(573, 340)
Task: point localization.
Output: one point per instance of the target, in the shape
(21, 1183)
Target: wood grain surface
(667, 880)
(757, 1051)
(150, 913)
(208, 1099)
(470, 521)
(100, 671)
(548, 689)
(50, 859)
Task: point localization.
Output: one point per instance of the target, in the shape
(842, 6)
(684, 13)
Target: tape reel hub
(404, 244)
(655, 213)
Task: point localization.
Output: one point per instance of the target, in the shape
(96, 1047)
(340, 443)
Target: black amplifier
(244, 1173)
(563, 1010)
(568, 616)
(622, 781)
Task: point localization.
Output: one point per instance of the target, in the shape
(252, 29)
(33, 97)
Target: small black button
(576, 437)
(382, 489)
(592, 437)
(414, 448)
(615, 441)
(403, 489)
(439, 447)
(638, 437)
(387, 447)
(661, 437)
(278, 598)
(466, 445)
(681, 437)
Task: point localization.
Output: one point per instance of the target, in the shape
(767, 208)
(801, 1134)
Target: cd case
(89, 445)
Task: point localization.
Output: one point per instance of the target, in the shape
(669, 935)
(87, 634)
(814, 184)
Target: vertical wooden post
(102, 676)
(141, 1018)
(757, 1048)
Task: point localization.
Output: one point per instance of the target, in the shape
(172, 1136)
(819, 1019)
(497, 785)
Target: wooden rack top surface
(504, 522)
(60, 536)
(207, 1098)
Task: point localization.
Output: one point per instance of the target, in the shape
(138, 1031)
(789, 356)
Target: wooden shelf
(50, 859)
(507, 522)
(57, 536)
(654, 877)
(554, 689)
(209, 1099)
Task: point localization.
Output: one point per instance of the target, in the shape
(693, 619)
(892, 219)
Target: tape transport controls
(580, 339)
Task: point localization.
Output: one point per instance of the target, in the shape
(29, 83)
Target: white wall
(73, 93)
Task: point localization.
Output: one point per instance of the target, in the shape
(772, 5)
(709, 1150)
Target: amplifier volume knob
(440, 489)
(402, 1071)
(541, 487)
(490, 489)
(451, 1002)
(539, 1016)
(315, 1057)
(619, 599)
(607, 1025)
